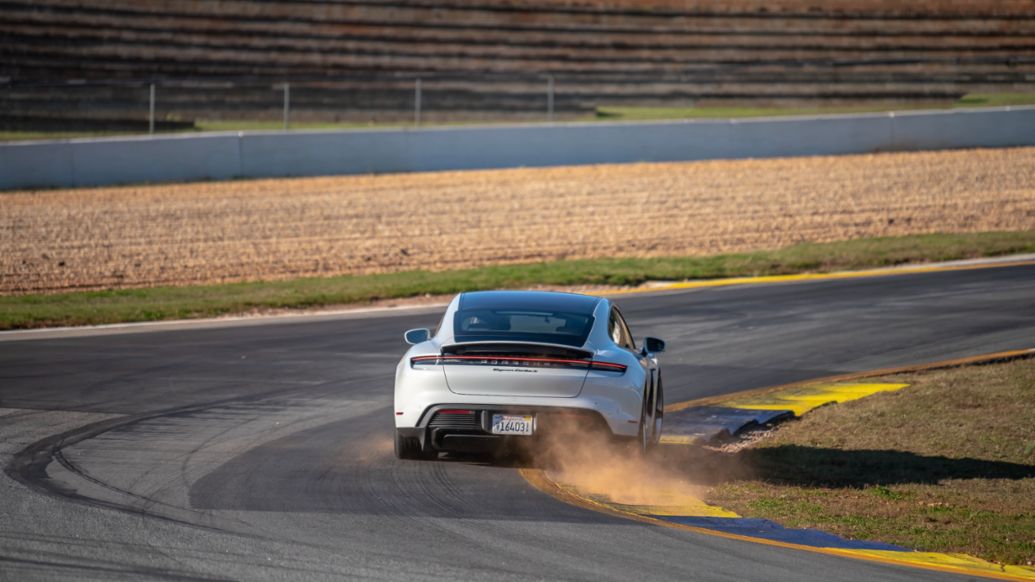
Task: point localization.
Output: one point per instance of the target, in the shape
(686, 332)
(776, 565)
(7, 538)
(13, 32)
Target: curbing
(805, 277)
(940, 365)
(715, 521)
(731, 415)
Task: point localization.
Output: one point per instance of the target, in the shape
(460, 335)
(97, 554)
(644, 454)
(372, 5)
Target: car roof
(529, 300)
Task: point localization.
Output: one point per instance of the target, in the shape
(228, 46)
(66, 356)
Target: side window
(620, 331)
(627, 337)
(613, 329)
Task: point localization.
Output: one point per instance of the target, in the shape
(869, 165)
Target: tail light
(516, 362)
(607, 366)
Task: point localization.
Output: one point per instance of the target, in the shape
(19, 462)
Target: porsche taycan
(506, 366)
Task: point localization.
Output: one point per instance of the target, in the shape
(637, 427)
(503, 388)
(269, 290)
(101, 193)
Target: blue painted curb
(763, 528)
(709, 422)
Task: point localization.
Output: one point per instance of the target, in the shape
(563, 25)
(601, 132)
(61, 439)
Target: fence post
(287, 105)
(416, 103)
(549, 97)
(151, 112)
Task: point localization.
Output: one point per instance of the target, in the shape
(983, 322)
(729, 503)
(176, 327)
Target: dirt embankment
(276, 229)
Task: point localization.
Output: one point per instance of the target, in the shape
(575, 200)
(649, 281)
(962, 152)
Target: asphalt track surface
(264, 451)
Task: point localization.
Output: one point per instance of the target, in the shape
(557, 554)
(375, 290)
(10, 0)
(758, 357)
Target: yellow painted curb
(952, 563)
(799, 396)
(671, 503)
(759, 392)
(678, 439)
(962, 562)
(805, 398)
(766, 279)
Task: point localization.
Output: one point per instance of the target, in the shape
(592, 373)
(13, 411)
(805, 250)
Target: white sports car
(507, 365)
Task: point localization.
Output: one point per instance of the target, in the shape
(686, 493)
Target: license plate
(512, 424)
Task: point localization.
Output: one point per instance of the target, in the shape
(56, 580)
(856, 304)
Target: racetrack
(263, 451)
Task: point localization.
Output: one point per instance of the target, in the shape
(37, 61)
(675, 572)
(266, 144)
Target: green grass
(201, 125)
(112, 306)
(943, 465)
(995, 99)
(726, 112)
(37, 135)
(254, 125)
(214, 125)
(602, 114)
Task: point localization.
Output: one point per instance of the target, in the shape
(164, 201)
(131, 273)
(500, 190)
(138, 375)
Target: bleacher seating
(91, 60)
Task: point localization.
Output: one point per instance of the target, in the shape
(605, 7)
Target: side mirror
(653, 345)
(416, 336)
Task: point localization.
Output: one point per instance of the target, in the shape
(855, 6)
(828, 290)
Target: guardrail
(109, 161)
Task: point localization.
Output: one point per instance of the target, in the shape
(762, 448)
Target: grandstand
(86, 63)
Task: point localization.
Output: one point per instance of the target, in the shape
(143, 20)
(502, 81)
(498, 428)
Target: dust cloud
(598, 467)
(372, 449)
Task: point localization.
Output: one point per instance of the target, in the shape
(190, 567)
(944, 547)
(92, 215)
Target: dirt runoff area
(183, 234)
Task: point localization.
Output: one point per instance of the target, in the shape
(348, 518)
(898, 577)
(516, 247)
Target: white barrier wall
(94, 162)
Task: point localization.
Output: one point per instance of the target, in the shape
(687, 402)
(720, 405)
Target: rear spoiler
(501, 348)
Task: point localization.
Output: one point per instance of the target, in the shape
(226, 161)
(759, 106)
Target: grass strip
(157, 303)
(631, 113)
(603, 113)
(945, 465)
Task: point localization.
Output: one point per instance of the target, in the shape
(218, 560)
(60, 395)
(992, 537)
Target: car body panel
(516, 381)
(619, 398)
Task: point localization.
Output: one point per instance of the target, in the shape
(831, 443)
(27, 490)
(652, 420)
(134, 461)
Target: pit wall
(221, 156)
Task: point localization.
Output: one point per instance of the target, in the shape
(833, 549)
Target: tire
(649, 435)
(643, 440)
(409, 449)
(644, 436)
(659, 413)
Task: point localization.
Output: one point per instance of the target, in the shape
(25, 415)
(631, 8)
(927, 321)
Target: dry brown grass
(276, 229)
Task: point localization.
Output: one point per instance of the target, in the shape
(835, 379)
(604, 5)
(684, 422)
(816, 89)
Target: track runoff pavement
(263, 450)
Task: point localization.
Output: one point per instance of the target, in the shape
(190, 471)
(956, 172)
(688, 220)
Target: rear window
(554, 327)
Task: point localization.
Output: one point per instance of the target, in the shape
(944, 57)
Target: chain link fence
(169, 105)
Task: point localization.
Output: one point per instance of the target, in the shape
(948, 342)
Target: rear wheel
(409, 448)
(644, 432)
(652, 415)
(659, 412)
(645, 437)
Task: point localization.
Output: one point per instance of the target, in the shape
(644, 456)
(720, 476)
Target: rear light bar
(610, 366)
(516, 362)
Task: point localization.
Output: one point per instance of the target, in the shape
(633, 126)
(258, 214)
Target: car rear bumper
(472, 432)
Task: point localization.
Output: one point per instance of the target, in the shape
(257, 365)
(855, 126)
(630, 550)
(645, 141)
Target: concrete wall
(97, 162)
